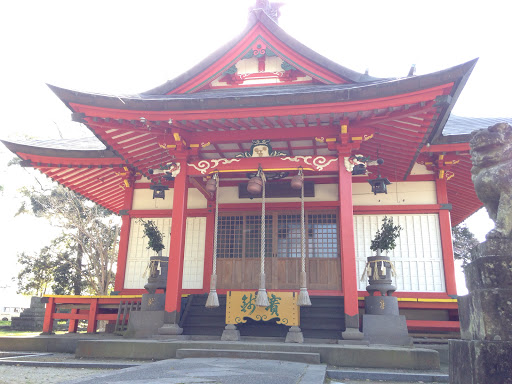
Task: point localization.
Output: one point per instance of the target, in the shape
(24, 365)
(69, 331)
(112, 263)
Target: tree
(91, 233)
(463, 242)
(36, 274)
(385, 238)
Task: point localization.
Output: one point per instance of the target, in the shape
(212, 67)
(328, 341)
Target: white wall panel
(143, 199)
(418, 256)
(399, 193)
(138, 256)
(193, 265)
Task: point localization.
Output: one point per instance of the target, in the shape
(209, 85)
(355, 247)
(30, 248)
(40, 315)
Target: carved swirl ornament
(317, 162)
(205, 166)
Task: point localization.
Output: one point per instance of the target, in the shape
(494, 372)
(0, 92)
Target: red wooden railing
(89, 308)
(424, 303)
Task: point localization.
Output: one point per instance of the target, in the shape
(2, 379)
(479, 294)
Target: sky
(126, 47)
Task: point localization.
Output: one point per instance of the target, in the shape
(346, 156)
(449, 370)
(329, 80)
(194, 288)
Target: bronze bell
(211, 185)
(297, 181)
(255, 185)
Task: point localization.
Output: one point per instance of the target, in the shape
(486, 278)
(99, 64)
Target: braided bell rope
(213, 299)
(303, 299)
(262, 298)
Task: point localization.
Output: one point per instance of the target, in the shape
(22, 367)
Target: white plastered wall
(418, 257)
(323, 192)
(138, 254)
(400, 193)
(143, 199)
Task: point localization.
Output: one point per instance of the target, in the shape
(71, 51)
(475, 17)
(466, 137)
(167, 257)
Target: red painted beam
(457, 147)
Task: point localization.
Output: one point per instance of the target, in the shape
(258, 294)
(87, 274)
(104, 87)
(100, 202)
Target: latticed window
(240, 235)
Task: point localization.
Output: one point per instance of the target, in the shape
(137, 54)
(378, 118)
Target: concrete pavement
(214, 371)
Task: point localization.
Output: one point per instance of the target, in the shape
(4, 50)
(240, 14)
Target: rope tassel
(262, 297)
(213, 298)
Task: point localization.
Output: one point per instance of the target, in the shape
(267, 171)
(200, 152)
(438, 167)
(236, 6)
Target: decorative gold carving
(318, 162)
(242, 304)
(205, 165)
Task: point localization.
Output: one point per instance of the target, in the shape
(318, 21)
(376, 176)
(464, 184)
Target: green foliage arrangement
(385, 238)
(155, 237)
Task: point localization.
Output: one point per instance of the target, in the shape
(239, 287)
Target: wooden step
(299, 357)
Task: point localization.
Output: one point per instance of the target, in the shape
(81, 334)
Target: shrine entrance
(238, 250)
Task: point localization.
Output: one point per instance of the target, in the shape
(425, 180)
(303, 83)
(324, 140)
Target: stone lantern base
(382, 323)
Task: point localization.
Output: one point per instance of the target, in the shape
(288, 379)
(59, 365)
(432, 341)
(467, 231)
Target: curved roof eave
(256, 16)
(271, 96)
(83, 153)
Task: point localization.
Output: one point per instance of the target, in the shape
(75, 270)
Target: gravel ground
(36, 375)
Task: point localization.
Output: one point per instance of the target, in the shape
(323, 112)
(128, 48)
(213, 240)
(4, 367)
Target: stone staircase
(323, 320)
(31, 319)
(298, 357)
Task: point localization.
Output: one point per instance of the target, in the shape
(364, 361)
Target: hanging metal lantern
(158, 190)
(211, 185)
(379, 185)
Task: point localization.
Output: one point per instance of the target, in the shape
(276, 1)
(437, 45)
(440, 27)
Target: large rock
(491, 155)
(484, 355)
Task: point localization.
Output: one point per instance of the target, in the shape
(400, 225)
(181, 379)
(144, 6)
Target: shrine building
(266, 105)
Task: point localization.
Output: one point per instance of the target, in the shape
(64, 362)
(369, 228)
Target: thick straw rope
(262, 298)
(213, 298)
(303, 299)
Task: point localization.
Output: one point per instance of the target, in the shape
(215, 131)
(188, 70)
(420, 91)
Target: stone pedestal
(294, 335)
(171, 324)
(382, 323)
(230, 333)
(386, 329)
(351, 334)
(170, 330)
(484, 353)
(144, 324)
(153, 302)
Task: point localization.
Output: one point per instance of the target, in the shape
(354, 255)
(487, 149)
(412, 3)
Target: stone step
(298, 357)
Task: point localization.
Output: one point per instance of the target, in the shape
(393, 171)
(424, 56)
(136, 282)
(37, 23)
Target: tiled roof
(79, 144)
(457, 125)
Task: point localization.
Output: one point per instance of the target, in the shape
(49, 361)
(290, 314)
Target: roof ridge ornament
(271, 9)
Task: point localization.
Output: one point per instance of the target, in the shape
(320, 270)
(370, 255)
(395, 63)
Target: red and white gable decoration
(259, 58)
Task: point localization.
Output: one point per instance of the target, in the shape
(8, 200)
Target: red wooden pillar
(48, 316)
(176, 253)
(445, 228)
(91, 320)
(73, 323)
(124, 238)
(348, 254)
